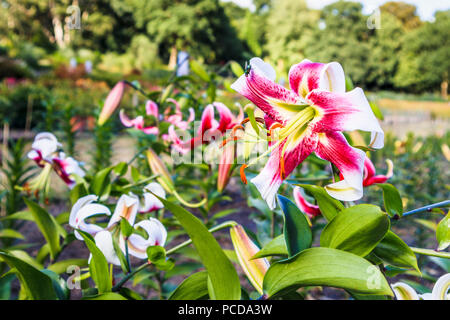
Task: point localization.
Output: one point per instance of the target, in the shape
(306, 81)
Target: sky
(425, 8)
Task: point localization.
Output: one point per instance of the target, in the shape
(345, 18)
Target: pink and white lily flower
(137, 245)
(209, 127)
(42, 148)
(310, 117)
(151, 202)
(151, 109)
(65, 167)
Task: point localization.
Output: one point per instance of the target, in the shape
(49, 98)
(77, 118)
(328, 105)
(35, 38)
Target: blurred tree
(200, 26)
(405, 12)
(425, 58)
(342, 35)
(385, 46)
(289, 26)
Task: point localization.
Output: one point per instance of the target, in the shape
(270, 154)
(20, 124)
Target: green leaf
(125, 227)
(327, 205)
(61, 266)
(120, 255)
(394, 251)
(357, 229)
(47, 225)
(101, 182)
(236, 68)
(10, 233)
(224, 278)
(392, 200)
(296, 230)
(325, 267)
(194, 287)
(77, 192)
(98, 265)
(121, 168)
(276, 247)
(443, 233)
(19, 215)
(37, 285)
(198, 69)
(106, 296)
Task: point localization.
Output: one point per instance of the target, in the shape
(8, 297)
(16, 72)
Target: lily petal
(152, 203)
(403, 291)
(157, 235)
(333, 147)
(127, 208)
(259, 87)
(307, 76)
(270, 178)
(346, 112)
(310, 209)
(104, 242)
(151, 109)
(441, 288)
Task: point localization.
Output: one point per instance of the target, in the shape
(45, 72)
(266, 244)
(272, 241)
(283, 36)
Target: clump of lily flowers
(310, 117)
(44, 151)
(370, 178)
(127, 207)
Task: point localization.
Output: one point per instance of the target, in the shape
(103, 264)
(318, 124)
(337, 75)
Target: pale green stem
(429, 252)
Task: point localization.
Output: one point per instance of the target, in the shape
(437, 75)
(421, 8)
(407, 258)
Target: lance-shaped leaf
(37, 285)
(47, 225)
(357, 229)
(224, 278)
(327, 205)
(325, 267)
(443, 232)
(394, 251)
(245, 249)
(98, 265)
(198, 69)
(106, 296)
(276, 247)
(192, 288)
(10, 233)
(296, 229)
(392, 200)
(101, 182)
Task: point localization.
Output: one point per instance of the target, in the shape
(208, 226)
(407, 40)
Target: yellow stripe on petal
(404, 292)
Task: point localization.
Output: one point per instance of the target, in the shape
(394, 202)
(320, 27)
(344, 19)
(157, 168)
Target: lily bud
(158, 167)
(245, 249)
(225, 165)
(112, 102)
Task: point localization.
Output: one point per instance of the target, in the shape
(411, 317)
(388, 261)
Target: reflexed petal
(369, 171)
(151, 109)
(225, 116)
(310, 209)
(441, 288)
(269, 179)
(104, 242)
(333, 147)
(346, 112)
(259, 87)
(127, 122)
(78, 205)
(127, 208)
(157, 234)
(84, 209)
(45, 143)
(151, 202)
(403, 291)
(307, 76)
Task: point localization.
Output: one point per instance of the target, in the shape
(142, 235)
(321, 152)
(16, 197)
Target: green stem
(429, 252)
(227, 224)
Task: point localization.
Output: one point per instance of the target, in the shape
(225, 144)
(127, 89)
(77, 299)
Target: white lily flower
(137, 245)
(152, 203)
(440, 290)
(44, 144)
(83, 209)
(65, 167)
